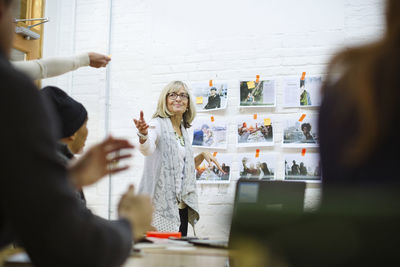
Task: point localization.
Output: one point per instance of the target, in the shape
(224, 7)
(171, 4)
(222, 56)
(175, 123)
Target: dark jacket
(37, 203)
(198, 138)
(65, 155)
(213, 102)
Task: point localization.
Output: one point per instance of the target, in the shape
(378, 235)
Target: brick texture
(154, 42)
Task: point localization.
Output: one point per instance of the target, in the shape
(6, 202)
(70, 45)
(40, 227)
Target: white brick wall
(155, 41)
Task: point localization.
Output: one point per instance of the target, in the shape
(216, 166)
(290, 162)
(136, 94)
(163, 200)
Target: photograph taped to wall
(208, 97)
(255, 130)
(300, 130)
(261, 166)
(302, 93)
(257, 94)
(209, 132)
(206, 173)
(307, 167)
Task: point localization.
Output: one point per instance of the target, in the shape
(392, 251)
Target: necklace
(180, 139)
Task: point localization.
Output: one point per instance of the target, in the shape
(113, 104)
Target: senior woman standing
(169, 170)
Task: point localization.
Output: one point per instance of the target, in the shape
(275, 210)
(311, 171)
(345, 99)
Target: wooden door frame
(32, 48)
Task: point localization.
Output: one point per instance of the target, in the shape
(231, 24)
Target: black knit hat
(71, 113)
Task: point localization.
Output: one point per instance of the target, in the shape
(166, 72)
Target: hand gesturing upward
(142, 126)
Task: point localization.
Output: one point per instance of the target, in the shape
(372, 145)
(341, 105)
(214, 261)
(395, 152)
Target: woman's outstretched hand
(141, 124)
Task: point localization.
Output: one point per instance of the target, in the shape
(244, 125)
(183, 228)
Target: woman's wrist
(142, 137)
(141, 134)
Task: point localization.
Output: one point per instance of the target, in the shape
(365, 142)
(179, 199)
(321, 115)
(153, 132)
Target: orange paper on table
(303, 76)
(214, 154)
(255, 116)
(164, 234)
(257, 78)
(199, 100)
(267, 121)
(302, 117)
(212, 118)
(251, 85)
(303, 152)
(211, 83)
(257, 153)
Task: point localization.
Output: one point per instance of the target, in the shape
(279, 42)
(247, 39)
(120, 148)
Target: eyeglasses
(174, 96)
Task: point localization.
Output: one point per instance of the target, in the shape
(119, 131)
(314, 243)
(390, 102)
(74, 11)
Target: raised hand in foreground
(138, 210)
(99, 161)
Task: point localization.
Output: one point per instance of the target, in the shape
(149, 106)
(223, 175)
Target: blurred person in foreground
(360, 112)
(38, 207)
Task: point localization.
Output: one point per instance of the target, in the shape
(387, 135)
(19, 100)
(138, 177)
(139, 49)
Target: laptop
(257, 201)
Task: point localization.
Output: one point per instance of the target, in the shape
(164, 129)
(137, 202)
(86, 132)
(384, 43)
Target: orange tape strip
(212, 118)
(214, 154)
(302, 117)
(255, 116)
(257, 153)
(257, 78)
(303, 76)
(211, 83)
(303, 152)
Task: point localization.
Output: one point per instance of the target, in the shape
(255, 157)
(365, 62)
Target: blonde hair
(162, 110)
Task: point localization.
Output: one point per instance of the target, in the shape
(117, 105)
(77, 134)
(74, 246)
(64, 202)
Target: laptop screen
(262, 206)
(247, 192)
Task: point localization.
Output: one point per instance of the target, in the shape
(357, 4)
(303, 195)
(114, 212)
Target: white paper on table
(19, 258)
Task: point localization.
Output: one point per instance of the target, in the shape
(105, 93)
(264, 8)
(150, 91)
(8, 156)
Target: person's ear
(72, 137)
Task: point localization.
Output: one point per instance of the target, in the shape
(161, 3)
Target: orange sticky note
(255, 116)
(211, 83)
(257, 78)
(212, 118)
(302, 117)
(214, 154)
(303, 76)
(267, 121)
(199, 100)
(251, 85)
(303, 152)
(257, 153)
(164, 234)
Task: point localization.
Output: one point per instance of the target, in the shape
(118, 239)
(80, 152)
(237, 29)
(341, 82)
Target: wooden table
(164, 257)
(180, 257)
